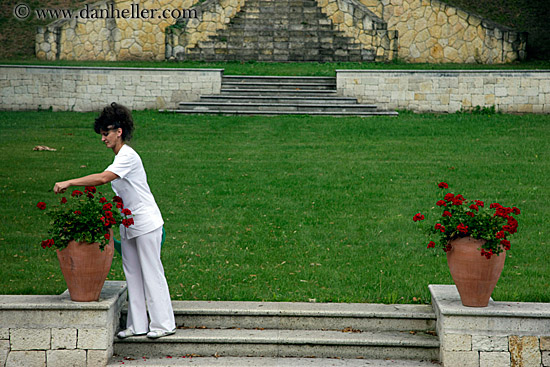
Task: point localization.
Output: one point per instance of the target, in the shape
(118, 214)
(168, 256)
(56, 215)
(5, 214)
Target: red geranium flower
(462, 228)
(103, 200)
(443, 185)
(505, 244)
(77, 193)
(441, 203)
(41, 205)
(418, 217)
(500, 235)
(107, 206)
(431, 244)
(91, 189)
(447, 214)
(63, 200)
(126, 211)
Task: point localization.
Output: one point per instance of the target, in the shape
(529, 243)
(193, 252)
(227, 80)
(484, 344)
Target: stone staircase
(278, 95)
(280, 30)
(255, 333)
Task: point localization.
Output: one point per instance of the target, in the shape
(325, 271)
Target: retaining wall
(514, 91)
(503, 334)
(413, 30)
(92, 88)
(55, 331)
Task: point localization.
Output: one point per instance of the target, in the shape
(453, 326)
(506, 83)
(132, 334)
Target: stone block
(30, 339)
(94, 338)
(66, 358)
(98, 357)
(524, 351)
(546, 359)
(4, 332)
(462, 359)
(4, 350)
(64, 338)
(494, 359)
(457, 342)
(545, 343)
(27, 359)
(486, 343)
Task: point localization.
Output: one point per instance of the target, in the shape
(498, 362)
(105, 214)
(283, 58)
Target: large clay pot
(474, 275)
(85, 268)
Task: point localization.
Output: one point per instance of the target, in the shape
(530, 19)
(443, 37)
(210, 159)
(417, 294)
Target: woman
(141, 243)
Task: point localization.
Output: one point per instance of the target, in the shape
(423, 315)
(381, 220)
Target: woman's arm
(95, 179)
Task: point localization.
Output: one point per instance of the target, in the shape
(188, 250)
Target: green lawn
(289, 208)
(285, 68)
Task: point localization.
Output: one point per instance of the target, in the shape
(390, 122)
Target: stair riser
(274, 350)
(282, 80)
(273, 86)
(234, 100)
(286, 93)
(280, 113)
(304, 323)
(282, 108)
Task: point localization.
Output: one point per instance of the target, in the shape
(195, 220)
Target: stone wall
(449, 91)
(432, 31)
(357, 21)
(504, 334)
(413, 30)
(54, 331)
(129, 37)
(215, 15)
(90, 89)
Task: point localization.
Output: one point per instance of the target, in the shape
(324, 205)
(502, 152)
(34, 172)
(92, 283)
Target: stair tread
(296, 98)
(304, 309)
(309, 337)
(297, 90)
(258, 112)
(265, 362)
(278, 104)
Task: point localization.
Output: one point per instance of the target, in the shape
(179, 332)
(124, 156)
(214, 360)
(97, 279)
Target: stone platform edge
(503, 334)
(54, 331)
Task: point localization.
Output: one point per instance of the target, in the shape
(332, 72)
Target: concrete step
(291, 107)
(190, 360)
(279, 79)
(304, 315)
(277, 85)
(278, 92)
(277, 99)
(281, 113)
(284, 343)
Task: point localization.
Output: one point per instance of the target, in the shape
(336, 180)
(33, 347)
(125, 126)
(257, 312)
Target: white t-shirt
(134, 190)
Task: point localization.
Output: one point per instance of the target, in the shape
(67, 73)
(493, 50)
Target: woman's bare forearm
(95, 179)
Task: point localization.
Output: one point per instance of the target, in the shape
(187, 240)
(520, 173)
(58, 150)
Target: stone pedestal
(504, 334)
(55, 331)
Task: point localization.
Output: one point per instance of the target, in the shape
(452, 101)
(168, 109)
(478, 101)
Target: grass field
(289, 208)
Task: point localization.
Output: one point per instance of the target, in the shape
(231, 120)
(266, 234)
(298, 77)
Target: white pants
(147, 286)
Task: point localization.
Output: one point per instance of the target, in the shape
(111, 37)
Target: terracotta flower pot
(85, 268)
(474, 275)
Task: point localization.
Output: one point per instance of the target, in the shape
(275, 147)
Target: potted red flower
(82, 232)
(475, 237)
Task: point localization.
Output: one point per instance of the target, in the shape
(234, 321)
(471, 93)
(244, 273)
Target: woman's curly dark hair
(113, 117)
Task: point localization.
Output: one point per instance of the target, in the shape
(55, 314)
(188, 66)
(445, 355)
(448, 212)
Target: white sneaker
(127, 333)
(155, 334)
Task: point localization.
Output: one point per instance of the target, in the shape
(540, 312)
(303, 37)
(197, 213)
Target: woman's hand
(61, 187)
